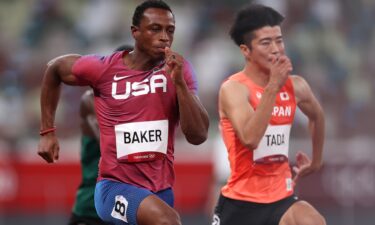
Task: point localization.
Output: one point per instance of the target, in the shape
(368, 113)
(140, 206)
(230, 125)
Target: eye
(155, 28)
(171, 30)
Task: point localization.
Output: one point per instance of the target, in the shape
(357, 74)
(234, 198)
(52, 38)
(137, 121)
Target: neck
(138, 60)
(258, 75)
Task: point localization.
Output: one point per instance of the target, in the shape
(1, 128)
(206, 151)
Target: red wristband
(46, 131)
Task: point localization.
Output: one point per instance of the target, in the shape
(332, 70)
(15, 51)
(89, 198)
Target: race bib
(141, 141)
(274, 145)
(120, 208)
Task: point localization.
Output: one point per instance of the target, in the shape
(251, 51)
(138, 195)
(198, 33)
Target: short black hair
(138, 13)
(251, 18)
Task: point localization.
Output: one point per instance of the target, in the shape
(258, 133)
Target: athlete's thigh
(167, 196)
(118, 203)
(302, 213)
(235, 212)
(154, 210)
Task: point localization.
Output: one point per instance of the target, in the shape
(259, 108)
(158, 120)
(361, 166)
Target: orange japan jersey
(262, 175)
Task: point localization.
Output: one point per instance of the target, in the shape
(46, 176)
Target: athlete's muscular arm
(89, 122)
(58, 71)
(309, 105)
(193, 116)
(251, 125)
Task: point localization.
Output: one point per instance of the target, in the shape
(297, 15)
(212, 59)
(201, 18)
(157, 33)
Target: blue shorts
(117, 203)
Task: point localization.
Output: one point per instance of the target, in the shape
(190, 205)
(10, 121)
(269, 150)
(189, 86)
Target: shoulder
(190, 76)
(233, 95)
(64, 58)
(188, 68)
(92, 58)
(297, 79)
(187, 62)
(234, 81)
(233, 88)
(68, 59)
(299, 83)
(302, 90)
(91, 64)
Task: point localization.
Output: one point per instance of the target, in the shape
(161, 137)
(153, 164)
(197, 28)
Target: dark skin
(153, 39)
(89, 123)
(89, 128)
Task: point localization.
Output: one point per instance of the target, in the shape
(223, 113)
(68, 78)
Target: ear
(246, 51)
(134, 30)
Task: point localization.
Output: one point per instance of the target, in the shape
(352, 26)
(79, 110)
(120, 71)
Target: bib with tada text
(274, 145)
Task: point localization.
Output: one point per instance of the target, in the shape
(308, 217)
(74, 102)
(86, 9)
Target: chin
(266, 68)
(159, 56)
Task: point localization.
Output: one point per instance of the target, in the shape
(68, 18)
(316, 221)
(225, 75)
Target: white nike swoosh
(117, 78)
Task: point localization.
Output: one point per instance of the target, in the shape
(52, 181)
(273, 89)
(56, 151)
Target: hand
(304, 166)
(174, 65)
(49, 148)
(280, 69)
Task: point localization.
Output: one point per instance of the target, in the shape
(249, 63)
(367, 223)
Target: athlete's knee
(308, 215)
(161, 219)
(321, 220)
(313, 220)
(154, 211)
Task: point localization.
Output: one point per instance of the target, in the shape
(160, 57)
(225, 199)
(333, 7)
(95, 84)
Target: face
(266, 43)
(155, 32)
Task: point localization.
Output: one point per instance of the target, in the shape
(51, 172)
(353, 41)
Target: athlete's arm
(193, 116)
(310, 106)
(250, 125)
(58, 71)
(89, 122)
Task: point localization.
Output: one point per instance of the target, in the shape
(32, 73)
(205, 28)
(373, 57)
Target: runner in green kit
(84, 212)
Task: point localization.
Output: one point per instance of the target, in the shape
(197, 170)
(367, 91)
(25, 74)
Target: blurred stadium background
(331, 44)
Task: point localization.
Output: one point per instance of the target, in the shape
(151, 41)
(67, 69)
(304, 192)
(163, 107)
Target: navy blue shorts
(117, 203)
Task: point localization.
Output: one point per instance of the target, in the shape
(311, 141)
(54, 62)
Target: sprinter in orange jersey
(257, 107)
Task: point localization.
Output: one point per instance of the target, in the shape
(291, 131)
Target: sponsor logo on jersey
(117, 77)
